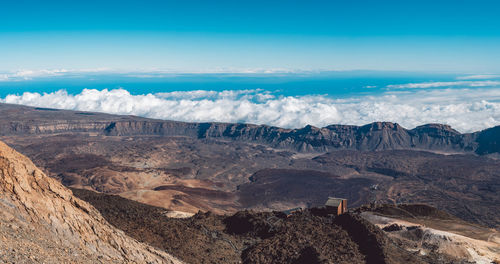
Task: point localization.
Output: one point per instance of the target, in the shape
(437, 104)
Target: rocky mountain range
(18, 120)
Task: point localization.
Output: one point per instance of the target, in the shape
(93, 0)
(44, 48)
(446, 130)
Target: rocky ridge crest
(371, 137)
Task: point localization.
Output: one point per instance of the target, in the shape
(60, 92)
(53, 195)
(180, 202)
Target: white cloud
(464, 109)
(425, 85)
(154, 73)
(30, 74)
(203, 94)
(479, 77)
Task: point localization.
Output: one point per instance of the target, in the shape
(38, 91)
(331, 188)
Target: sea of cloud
(467, 109)
(426, 85)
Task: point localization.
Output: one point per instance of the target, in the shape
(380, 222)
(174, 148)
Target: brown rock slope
(41, 221)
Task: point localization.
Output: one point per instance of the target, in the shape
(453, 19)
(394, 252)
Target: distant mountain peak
(436, 126)
(382, 126)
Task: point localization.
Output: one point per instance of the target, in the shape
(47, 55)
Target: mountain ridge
(370, 137)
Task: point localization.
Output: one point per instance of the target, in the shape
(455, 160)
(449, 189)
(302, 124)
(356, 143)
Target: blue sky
(283, 63)
(204, 36)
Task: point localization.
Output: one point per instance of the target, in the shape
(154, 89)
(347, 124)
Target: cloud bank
(22, 75)
(427, 85)
(466, 110)
(479, 77)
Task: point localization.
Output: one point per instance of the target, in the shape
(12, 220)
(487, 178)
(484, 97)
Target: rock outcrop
(41, 221)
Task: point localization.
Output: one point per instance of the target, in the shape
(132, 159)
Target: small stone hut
(336, 206)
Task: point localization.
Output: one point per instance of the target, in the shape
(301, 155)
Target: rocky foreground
(42, 222)
(369, 234)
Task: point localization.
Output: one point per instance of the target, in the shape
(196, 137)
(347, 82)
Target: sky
(283, 63)
(239, 36)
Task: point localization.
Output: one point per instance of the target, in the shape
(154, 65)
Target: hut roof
(334, 202)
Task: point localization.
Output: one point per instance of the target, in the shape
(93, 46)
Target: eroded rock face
(41, 221)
